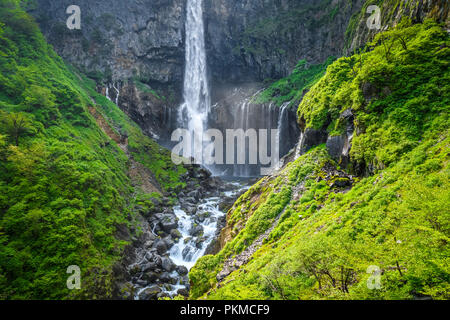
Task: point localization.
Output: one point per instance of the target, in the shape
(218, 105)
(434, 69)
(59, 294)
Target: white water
(117, 92)
(298, 150)
(195, 109)
(194, 112)
(242, 121)
(193, 115)
(271, 116)
(186, 252)
(107, 93)
(282, 120)
(116, 89)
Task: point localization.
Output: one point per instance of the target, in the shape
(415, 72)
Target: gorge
(358, 117)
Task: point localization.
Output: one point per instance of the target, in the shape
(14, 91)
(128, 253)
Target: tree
(16, 125)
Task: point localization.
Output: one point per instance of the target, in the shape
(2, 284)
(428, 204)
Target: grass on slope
(64, 185)
(396, 219)
(292, 88)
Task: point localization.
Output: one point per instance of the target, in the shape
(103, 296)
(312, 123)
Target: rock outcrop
(245, 39)
(250, 40)
(119, 39)
(358, 34)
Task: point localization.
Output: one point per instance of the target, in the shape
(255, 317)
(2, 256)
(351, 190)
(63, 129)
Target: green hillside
(315, 230)
(65, 187)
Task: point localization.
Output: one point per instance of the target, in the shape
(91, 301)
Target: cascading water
(298, 150)
(197, 228)
(281, 127)
(282, 121)
(194, 111)
(250, 115)
(188, 249)
(117, 89)
(192, 246)
(117, 92)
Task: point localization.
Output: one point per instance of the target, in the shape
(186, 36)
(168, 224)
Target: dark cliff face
(253, 40)
(246, 39)
(119, 39)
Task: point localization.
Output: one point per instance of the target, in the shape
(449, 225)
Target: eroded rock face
(257, 39)
(245, 39)
(237, 107)
(121, 39)
(147, 270)
(416, 10)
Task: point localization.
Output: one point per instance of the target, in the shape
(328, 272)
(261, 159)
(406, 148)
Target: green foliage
(324, 240)
(294, 86)
(397, 91)
(64, 185)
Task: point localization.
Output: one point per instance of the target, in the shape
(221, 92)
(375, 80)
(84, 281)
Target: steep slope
(135, 50)
(391, 13)
(75, 171)
(319, 229)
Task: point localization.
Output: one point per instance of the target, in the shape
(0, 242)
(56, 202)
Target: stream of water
(188, 249)
(197, 230)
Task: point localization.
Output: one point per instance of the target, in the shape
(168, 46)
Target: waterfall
(107, 93)
(116, 89)
(196, 106)
(298, 150)
(117, 92)
(244, 120)
(282, 121)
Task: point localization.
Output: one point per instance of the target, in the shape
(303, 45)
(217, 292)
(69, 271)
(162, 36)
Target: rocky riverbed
(176, 235)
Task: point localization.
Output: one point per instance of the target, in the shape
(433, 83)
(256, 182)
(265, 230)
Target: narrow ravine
(199, 230)
(162, 263)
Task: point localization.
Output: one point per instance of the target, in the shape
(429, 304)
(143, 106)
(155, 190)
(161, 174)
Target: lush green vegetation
(64, 183)
(66, 187)
(293, 87)
(398, 91)
(389, 9)
(327, 235)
